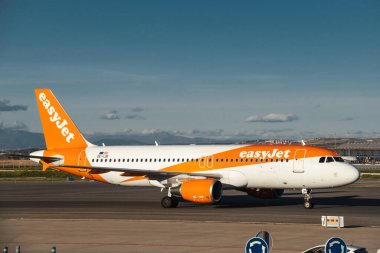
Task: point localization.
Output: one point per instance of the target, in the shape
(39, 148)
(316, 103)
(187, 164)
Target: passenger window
(329, 159)
(322, 159)
(124, 160)
(221, 160)
(105, 160)
(92, 160)
(287, 160)
(159, 160)
(97, 160)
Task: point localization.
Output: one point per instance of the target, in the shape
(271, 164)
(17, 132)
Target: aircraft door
(82, 160)
(298, 162)
(210, 162)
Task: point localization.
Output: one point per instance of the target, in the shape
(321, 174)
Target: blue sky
(275, 69)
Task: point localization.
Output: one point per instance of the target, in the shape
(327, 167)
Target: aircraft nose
(352, 174)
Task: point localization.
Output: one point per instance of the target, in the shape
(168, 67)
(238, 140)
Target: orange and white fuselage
(241, 167)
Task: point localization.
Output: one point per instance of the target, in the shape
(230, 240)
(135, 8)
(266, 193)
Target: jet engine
(205, 191)
(264, 193)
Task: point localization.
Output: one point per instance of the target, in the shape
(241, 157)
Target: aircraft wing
(135, 172)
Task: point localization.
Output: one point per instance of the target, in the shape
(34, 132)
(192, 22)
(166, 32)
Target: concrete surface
(92, 217)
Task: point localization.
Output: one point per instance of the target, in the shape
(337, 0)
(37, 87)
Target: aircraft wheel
(308, 205)
(175, 201)
(169, 202)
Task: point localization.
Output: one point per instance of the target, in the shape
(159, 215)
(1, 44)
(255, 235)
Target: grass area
(369, 176)
(369, 170)
(33, 172)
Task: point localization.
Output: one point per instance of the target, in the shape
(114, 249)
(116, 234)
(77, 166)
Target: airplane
(195, 173)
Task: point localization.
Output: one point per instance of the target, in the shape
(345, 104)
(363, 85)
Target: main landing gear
(307, 197)
(169, 201)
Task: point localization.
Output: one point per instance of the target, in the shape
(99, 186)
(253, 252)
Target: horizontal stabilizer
(46, 159)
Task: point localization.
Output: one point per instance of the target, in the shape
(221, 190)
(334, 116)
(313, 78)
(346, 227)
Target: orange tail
(59, 130)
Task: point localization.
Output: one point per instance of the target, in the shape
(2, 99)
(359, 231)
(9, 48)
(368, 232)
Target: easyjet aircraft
(194, 173)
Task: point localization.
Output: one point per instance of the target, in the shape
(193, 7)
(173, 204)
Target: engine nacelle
(265, 193)
(205, 191)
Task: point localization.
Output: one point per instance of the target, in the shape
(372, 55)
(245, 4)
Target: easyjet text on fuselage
(263, 154)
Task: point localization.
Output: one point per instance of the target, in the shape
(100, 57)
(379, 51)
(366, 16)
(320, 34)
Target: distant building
(366, 151)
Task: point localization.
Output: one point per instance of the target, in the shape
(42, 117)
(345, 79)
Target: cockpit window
(338, 159)
(329, 159)
(322, 159)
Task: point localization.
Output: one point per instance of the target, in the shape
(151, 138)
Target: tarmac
(93, 217)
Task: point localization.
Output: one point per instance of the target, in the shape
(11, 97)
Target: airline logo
(55, 118)
(102, 154)
(263, 154)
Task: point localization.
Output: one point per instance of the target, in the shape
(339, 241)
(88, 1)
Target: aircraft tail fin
(59, 130)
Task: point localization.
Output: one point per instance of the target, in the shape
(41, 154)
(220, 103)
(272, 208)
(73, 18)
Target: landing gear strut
(307, 197)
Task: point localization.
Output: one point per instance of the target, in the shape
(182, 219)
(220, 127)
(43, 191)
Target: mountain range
(21, 139)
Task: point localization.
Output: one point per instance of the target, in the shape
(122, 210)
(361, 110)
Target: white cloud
(150, 131)
(137, 109)
(112, 115)
(135, 116)
(272, 118)
(15, 125)
(5, 106)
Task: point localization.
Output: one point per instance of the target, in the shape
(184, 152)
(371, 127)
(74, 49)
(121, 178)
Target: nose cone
(351, 174)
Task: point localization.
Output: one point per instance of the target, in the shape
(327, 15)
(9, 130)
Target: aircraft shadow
(323, 202)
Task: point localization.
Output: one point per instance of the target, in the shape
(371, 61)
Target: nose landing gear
(307, 197)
